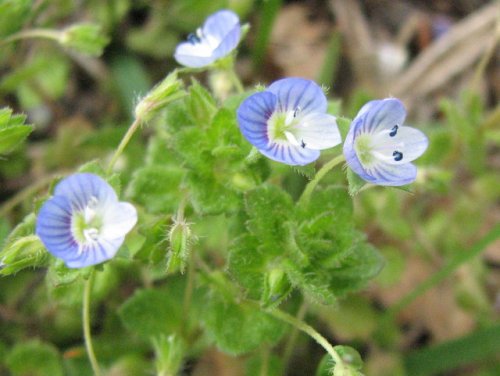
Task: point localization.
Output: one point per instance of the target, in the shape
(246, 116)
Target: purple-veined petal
(392, 175)
(253, 115)
(299, 94)
(95, 253)
(290, 154)
(351, 157)
(380, 114)
(53, 227)
(118, 220)
(317, 131)
(221, 24)
(80, 188)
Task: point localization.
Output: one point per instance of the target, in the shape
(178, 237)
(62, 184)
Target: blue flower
(219, 35)
(379, 148)
(84, 223)
(288, 122)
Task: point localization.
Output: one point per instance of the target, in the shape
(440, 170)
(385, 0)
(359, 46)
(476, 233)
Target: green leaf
(326, 230)
(149, 313)
(157, 187)
(363, 263)
(268, 208)
(13, 14)
(223, 319)
(34, 358)
(154, 312)
(200, 104)
(12, 130)
(86, 38)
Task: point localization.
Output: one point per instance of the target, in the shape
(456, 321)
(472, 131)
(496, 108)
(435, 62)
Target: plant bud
(181, 239)
(85, 38)
(170, 89)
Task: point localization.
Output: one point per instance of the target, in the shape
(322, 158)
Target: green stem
(235, 80)
(290, 345)
(86, 325)
(124, 142)
(310, 331)
(306, 195)
(33, 33)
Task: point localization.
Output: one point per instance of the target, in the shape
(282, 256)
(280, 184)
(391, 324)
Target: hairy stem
(306, 195)
(123, 143)
(309, 330)
(290, 344)
(86, 325)
(33, 33)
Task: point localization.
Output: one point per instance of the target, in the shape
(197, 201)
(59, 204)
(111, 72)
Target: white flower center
(87, 223)
(381, 146)
(280, 126)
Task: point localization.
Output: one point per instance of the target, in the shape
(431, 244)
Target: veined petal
(95, 253)
(253, 115)
(118, 220)
(80, 188)
(391, 175)
(299, 94)
(351, 157)
(380, 114)
(222, 23)
(53, 227)
(317, 131)
(290, 154)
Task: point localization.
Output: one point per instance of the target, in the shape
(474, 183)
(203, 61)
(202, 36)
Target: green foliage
(34, 358)
(13, 130)
(223, 318)
(13, 14)
(22, 249)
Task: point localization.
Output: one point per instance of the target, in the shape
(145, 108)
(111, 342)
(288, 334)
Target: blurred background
(440, 57)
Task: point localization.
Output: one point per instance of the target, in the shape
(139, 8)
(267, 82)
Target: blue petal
(253, 115)
(95, 253)
(350, 154)
(290, 154)
(191, 55)
(53, 227)
(221, 24)
(380, 114)
(392, 175)
(79, 188)
(299, 93)
(229, 43)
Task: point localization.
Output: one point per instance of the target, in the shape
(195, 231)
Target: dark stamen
(302, 144)
(394, 130)
(397, 156)
(193, 38)
(296, 112)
